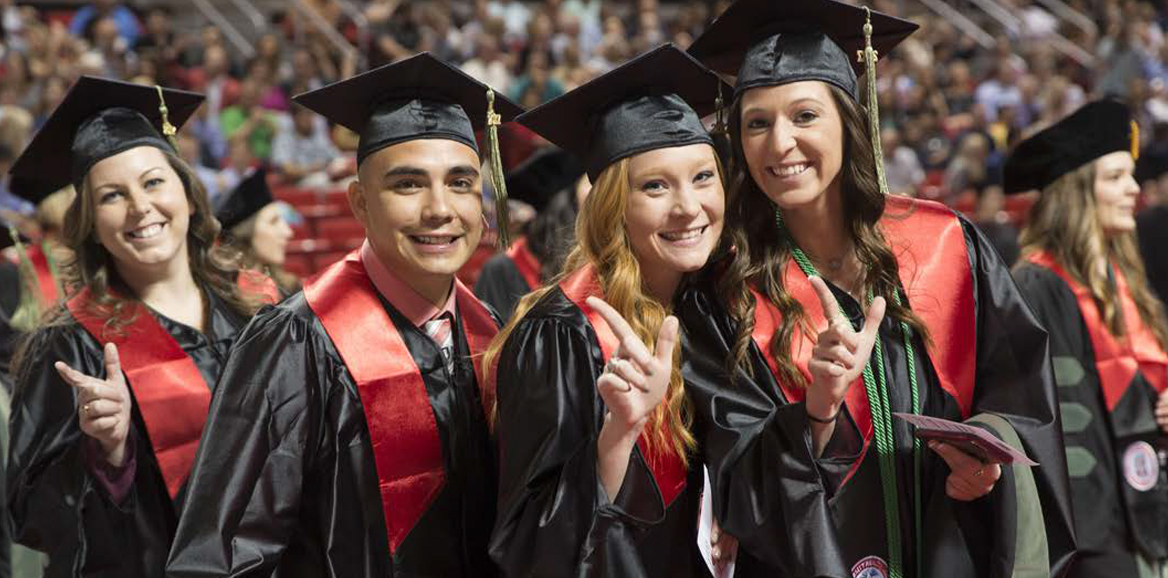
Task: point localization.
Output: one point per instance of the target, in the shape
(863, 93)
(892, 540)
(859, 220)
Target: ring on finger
(87, 410)
(980, 471)
(610, 365)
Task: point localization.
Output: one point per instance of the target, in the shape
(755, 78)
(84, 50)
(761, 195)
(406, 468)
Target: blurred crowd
(952, 101)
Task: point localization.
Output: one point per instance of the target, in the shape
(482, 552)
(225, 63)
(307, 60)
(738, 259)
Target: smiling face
(673, 216)
(421, 204)
(1116, 192)
(792, 138)
(141, 211)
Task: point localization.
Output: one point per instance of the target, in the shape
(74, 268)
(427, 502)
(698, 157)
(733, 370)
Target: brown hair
(607, 249)
(758, 260)
(1063, 222)
(239, 239)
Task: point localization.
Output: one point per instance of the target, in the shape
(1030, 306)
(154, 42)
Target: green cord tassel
(28, 310)
(502, 218)
(869, 56)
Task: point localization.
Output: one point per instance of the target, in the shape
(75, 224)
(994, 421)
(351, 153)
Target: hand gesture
(723, 548)
(969, 478)
(840, 352)
(1162, 411)
(103, 405)
(635, 379)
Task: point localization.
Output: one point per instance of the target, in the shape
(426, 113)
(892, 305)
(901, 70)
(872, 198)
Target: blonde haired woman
(1082, 275)
(597, 476)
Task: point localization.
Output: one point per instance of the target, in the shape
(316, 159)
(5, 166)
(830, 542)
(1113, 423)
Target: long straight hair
(760, 255)
(1064, 222)
(607, 248)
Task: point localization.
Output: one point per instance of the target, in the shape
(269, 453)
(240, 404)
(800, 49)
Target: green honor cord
(877, 389)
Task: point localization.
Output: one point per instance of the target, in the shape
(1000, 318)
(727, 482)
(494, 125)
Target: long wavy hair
(1064, 222)
(761, 252)
(213, 266)
(608, 250)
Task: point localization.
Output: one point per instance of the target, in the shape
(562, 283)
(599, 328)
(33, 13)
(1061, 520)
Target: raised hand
(635, 379)
(634, 382)
(840, 352)
(103, 405)
(969, 478)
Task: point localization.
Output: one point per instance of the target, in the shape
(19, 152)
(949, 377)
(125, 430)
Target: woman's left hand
(969, 478)
(723, 548)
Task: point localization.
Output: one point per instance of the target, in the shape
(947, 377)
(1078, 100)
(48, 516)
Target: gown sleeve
(244, 495)
(56, 505)
(769, 491)
(554, 518)
(1015, 381)
(500, 285)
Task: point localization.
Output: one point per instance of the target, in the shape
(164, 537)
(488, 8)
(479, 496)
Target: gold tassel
(28, 311)
(168, 130)
(1135, 140)
(502, 220)
(868, 56)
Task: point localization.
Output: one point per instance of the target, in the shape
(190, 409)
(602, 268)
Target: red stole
(250, 281)
(1116, 359)
(44, 273)
(668, 470)
(171, 394)
(525, 261)
(407, 450)
(929, 244)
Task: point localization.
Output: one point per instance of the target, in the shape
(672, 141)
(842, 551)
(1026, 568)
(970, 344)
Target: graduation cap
(773, 42)
(1151, 165)
(248, 198)
(1098, 128)
(99, 118)
(416, 98)
(654, 101)
(546, 172)
(31, 190)
(420, 97)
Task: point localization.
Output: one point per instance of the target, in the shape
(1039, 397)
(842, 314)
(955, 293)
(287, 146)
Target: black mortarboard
(31, 190)
(1152, 165)
(1098, 128)
(99, 118)
(546, 172)
(773, 42)
(653, 101)
(248, 197)
(417, 98)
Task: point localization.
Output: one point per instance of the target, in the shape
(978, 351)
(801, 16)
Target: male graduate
(350, 437)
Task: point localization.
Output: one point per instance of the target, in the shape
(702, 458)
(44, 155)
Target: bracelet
(823, 421)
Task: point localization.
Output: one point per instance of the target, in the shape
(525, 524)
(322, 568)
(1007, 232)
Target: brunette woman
(1083, 276)
(111, 394)
(840, 306)
(258, 226)
(598, 474)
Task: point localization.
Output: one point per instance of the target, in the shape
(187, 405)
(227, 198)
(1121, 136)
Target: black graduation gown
(57, 505)
(298, 493)
(789, 508)
(10, 289)
(555, 519)
(501, 286)
(1152, 229)
(1113, 519)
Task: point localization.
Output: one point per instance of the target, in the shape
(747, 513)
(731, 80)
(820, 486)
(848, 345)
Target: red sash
(44, 273)
(525, 261)
(170, 392)
(1116, 359)
(929, 245)
(668, 470)
(403, 431)
(250, 281)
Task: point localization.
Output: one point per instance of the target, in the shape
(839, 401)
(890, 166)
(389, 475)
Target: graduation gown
(57, 505)
(555, 519)
(507, 277)
(287, 481)
(825, 516)
(1120, 506)
(1152, 231)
